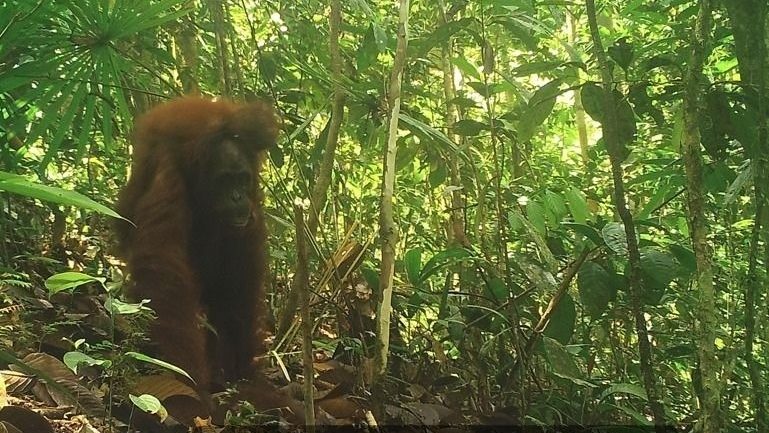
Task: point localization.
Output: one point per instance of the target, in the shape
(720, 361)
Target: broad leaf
(577, 205)
(596, 288)
(150, 360)
(614, 236)
(20, 185)
(412, 261)
(69, 281)
(563, 320)
(540, 106)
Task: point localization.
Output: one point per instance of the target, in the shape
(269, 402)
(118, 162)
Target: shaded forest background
(573, 229)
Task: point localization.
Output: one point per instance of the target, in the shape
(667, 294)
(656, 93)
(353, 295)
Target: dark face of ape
(228, 185)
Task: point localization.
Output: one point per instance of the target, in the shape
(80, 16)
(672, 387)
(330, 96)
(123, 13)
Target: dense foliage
(514, 295)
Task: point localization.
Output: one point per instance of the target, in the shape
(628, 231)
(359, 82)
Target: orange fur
(187, 268)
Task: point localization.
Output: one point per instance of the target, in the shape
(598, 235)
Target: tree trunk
(611, 138)
(707, 313)
(220, 34)
(748, 20)
(323, 177)
(187, 57)
(388, 231)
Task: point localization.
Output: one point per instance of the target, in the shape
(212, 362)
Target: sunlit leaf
(149, 404)
(69, 281)
(412, 261)
(443, 259)
(150, 360)
(539, 108)
(563, 320)
(75, 359)
(577, 205)
(20, 185)
(624, 388)
(614, 236)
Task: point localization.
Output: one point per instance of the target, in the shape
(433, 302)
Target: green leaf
(532, 68)
(147, 16)
(658, 269)
(370, 275)
(464, 102)
(613, 235)
(466, 67)
(638, 417)
(595, 289)
(592, 100)
(535, 213)
(424, 130)
(412, 261)
(621, 52)
(443, 259)
(64, 125)
(498, 290)
(116, 306)
(625, 388)
(438, 175)
(380, 36)
(86, 125)
(20, 185)
(442, 35)
(149, 404)
(414, 303)
(563, 320)
(626, 122)
(663, 192)
(587, 231)
(150, 360)
(685, 258)
(562, 362)
(481, 88)
(743, 179)
(75, 359)
(556, 205)
(660, 61)
(70, 280)
(538, 109)
(577, 205)
(469, 127)
(456, 331)
(268, 66)
(367, 52)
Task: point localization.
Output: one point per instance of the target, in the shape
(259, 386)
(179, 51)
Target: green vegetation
(575, 221)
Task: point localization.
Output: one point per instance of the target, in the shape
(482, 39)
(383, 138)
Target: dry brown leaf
(67, 389)
(203, 425)
(17, 383)
(84, 400)
(3, 395)
(6, 427)
(341, 407)
(49, 365)
(162, 386)
(25, 419)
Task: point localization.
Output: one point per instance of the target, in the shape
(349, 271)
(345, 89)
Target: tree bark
(456, 213)
(748, 19)
(325, 170)
(611, 138)
(388, 231)
(707, 313)
(302, 282)
(220, 34)
(188, 53)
